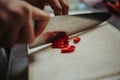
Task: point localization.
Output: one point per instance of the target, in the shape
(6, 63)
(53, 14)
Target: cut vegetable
(68, 49)
(61, 40)
(76, 39)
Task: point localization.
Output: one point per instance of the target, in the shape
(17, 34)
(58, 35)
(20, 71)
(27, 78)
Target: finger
(3, 23)
(56, 6)
(10, 37)
(27, 32)
(65, 7)
(41, 18)
(37, 3)
(3, 30)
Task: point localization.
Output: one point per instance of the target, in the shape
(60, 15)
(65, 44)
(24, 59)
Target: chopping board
(96, 57)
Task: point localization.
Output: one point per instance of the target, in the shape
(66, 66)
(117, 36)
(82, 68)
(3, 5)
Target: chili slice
(68, 49)
(76, 40)
(61, 40)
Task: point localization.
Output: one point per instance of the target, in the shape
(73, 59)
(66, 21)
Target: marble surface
(97, 57)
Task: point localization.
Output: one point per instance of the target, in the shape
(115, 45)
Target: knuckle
(67, 6)
(59, 8)
(26, 10)
(21, 12)
(16, 13)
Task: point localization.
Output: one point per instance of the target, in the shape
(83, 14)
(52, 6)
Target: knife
(18, 63)
(71, 24)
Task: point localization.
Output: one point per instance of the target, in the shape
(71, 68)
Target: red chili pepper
(68, 49)
(61, 43)
(76, 39)
(114, 7)
(61, 40)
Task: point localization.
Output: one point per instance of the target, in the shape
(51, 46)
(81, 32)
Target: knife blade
(18, 63)
(70, 24)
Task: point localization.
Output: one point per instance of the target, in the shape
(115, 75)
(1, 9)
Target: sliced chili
(76, 39)
(68, 49)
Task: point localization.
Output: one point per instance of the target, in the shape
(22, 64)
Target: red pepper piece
(61, 43)
(61, 40)
(59, 35)
(68, 49)
(76, 39)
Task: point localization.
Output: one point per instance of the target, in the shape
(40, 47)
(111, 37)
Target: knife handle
(3, 64)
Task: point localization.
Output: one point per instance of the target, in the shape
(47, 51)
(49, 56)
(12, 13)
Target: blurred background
(82, 6)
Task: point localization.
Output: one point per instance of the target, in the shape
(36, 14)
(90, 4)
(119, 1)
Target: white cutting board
(97, 57)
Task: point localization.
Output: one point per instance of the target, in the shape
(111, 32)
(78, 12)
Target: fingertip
(65, 7)
(56, 6)
(38, 14)
(47, 16)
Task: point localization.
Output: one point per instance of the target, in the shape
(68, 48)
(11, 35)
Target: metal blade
(18, 63)
(71, 24)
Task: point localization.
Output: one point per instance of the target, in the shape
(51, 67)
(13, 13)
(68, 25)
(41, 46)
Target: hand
(16, 22)
(95, 3)
(60, 7)
(113, 7)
